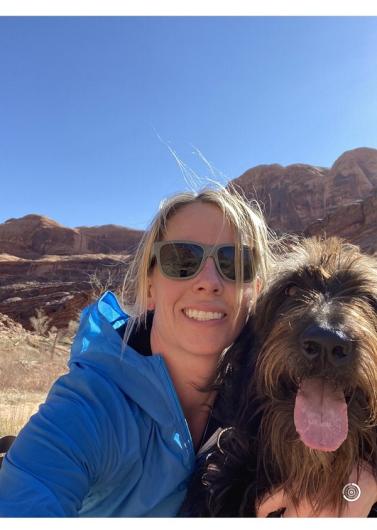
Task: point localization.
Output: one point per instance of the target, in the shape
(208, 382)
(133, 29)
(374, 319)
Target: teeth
(203, 315)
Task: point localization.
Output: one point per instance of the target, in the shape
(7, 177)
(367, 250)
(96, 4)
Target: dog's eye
(291, 289)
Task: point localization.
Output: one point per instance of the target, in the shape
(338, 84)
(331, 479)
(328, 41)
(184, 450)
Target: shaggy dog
(304, 404)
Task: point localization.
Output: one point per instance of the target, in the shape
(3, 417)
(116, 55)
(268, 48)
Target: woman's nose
(209, 278)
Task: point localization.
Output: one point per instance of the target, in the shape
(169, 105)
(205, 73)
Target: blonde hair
(244, 217)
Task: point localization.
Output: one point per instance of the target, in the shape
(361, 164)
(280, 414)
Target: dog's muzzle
(330, 345)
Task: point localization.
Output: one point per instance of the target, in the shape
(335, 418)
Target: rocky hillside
(34, 236)
(44, 265)
(60, 285)
(341, 197)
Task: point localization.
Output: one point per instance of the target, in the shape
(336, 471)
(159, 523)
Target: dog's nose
(331, 344)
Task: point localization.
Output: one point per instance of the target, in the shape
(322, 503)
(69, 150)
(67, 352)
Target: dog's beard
(303, 472)
(315, 427)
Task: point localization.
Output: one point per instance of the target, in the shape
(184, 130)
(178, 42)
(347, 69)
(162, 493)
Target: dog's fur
(332, 286)
(5, 444)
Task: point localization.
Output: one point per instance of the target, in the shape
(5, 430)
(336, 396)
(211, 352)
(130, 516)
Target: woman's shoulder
(101, 359)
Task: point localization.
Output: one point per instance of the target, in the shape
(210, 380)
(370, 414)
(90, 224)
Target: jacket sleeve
(57, 455)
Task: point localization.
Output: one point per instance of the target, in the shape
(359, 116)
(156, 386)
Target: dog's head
(317, 327)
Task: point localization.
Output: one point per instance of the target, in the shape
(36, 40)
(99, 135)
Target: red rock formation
(297, 195)
(44, 265)
(33, 236)
(59, 285)
(110, 239)
(356, 222)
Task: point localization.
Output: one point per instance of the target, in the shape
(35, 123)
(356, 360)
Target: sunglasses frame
(208, 252)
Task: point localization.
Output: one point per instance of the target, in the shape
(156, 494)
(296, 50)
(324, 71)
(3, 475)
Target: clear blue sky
(89, 106)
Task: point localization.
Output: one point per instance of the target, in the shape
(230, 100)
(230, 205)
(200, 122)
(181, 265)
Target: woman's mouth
(202, 316)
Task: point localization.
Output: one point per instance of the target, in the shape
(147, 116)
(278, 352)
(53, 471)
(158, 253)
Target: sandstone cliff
(355, 222)
(33, 236)
(297, 195)
(59, 285)
(44, 265)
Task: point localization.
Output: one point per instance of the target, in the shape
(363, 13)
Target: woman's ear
(150, 298)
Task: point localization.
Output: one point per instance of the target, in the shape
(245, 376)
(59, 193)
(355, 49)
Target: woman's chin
(201, 348)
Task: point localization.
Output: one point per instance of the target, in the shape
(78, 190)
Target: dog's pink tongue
(320, 415)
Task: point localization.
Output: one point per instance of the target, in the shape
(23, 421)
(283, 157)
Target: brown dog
(308, 412)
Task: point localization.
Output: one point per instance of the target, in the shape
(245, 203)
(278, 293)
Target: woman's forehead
(201, 222)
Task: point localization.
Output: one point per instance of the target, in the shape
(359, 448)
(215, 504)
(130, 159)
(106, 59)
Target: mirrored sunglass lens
(180, 260)
(226, 257)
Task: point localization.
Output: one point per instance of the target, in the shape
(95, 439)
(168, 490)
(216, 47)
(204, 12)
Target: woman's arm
(56, 457)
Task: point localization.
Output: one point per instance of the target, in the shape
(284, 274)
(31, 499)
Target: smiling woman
(201, 255)
(118, 434)
(204, 307)
(204, 304)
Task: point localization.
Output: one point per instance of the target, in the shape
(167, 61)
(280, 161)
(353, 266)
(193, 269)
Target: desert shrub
(40, 323)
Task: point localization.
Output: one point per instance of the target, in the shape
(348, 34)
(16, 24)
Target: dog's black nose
(331, 344)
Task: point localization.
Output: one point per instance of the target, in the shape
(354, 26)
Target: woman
(117, 435)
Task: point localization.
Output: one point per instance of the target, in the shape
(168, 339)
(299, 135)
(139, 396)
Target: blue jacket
(111, 439)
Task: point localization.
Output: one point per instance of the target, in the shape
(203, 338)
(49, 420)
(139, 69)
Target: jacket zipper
(188, 443)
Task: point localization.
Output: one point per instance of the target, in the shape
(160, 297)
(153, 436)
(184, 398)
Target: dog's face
(317, 327)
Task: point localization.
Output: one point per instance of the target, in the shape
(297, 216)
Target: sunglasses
(183, 260)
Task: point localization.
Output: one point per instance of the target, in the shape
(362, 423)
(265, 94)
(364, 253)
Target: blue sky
(90, 107)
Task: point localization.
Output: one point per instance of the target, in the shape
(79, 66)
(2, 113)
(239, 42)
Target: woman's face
(176, 327)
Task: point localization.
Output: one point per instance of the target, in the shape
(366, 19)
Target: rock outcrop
(44, 265)
(297, 195)
(355, 222)
(59, 285)
(33, 236)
